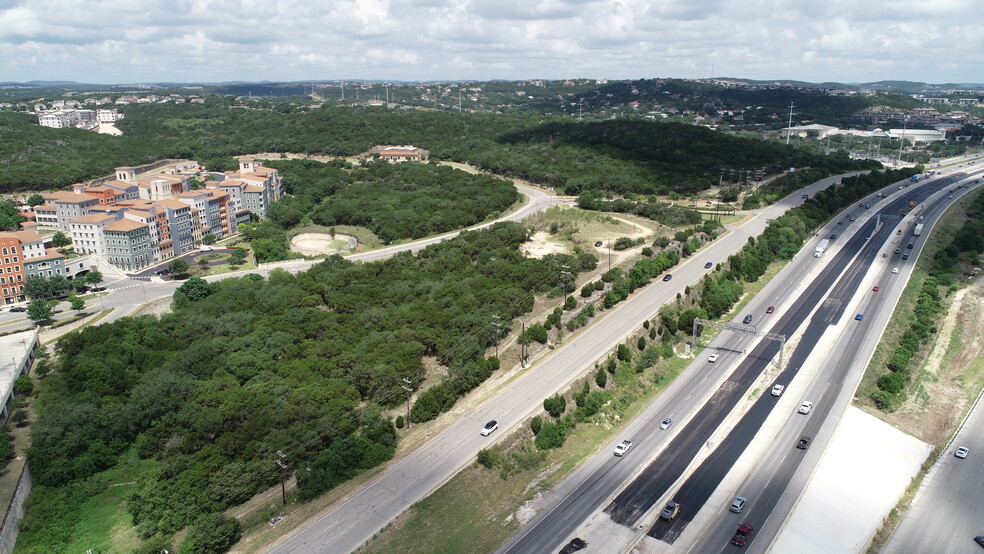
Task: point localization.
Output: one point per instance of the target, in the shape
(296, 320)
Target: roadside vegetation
(894, 376)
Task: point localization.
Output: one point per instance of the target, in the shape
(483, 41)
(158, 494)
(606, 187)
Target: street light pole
(905, 122)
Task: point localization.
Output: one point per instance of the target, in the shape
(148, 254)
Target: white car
(895, 271)
(805, 407)
(712, 358)
(489, 428)
(623, 447)
(666, 424)
(962, 452)
(206, 248)
(777, 390)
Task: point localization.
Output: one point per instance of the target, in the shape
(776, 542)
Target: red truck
(742, 535)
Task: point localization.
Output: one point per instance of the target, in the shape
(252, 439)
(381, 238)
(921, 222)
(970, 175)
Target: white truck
(820, 248)
(918, 230)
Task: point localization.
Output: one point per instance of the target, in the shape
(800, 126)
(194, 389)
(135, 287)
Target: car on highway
(852, 218)
(806, 196)
(962, 452)
(667, 277)
(489, 428)
(666, 423)
(623, 447)
(920, 218)
(858, 317)
(905, 256)
(979, 539)
(875, 289)
(770, 309)
(895, 271)
(833, 237)
(18, 309)
(804, 442)
(708, 265)
(670, 511)
(713, 358)
(805, 407)
(898, 250)
(742, 535)
(747, 320)
(738, 504)
(777, 390)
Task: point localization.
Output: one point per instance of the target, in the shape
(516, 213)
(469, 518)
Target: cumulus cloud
(217, 40)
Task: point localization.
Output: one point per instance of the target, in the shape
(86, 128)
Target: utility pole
(902, 140)
(406, 386)
(522, 346)
(609, 253)
(789, 128)
(283, 471)
(564, 275)
(497, 325)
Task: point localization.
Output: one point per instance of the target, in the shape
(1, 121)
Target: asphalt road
(948, 513)
(561, 519)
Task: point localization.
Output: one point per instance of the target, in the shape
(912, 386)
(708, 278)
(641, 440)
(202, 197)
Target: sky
(134, 41)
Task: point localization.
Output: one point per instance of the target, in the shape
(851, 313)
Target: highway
(947, 513)
(595, 482)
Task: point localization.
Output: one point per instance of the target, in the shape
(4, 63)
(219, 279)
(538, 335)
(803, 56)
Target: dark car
(575, 545)
(18, 309)
(667, 277)
(747, 320)
(708, 265)
(599, 243)
(979, 539)
(804, 442)
(832, 237)
(859, 317)
(163, 272)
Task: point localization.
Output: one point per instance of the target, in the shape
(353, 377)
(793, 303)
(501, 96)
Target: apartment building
(128, 245)
(23, 255)
(133, 222)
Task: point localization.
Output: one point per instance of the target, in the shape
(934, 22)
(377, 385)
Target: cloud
(177, 40)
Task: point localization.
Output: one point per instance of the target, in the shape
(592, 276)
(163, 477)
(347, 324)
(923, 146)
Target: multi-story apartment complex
(133, 222)
(22, 255)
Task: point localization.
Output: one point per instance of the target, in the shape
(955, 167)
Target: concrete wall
(15, 511)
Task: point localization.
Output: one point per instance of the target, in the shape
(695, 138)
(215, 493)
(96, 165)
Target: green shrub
(601, 378)
(551, 435)
(535, 424)
(212, 533)
(555, 405)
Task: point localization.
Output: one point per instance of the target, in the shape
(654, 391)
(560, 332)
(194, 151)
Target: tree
(209, 239)
(203, 263)
(178, 267)
(59, 240)
(35, 200)
(23, 385)
(212, 533)
(555, 405)
(39, 310)
(238, 256)
(196, 288)
(78, 304)
(38, 287)
(601, 378)
(94, 277)
(19, 418)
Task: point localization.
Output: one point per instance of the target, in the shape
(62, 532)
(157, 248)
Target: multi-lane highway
(661, 481)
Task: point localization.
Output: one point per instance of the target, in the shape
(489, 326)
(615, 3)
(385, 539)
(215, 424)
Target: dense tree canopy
(245, 367)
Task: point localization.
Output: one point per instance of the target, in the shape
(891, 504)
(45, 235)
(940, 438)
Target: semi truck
(820, 248)
(918, 230)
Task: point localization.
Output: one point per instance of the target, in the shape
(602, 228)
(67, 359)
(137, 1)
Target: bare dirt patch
(541, 244)
(316, 244)
(941, 394)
